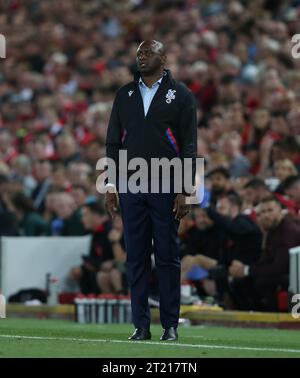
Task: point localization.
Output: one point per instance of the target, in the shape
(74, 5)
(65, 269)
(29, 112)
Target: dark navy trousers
(147, 217)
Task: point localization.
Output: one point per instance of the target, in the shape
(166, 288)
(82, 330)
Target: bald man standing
(152, 117)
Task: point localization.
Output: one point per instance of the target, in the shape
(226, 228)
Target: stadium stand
(66, 60)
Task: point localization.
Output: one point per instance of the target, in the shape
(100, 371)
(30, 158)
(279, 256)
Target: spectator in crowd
(284, 169)
(67, 149)
(80, 194)
(291, 187)
(255, 284)
(8, 219)
(260, 121)
(230, 145)
(242, 236)
(220, 184)
(22, 168)
(254, 191)
(203, 240)
(92, 153)
(200, 236)
(31, 223)
(7, 148)
(59, 177)
(57, 88)
(68, 221)
(99, 272)
(116, 238)
(42, 173)
(50, 204)
(78, 173)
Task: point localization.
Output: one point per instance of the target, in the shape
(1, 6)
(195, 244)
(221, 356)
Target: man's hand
(237, 269)
(89, 266)
(107, 266)
(114, 235)
(111, 203)
(188, 262)
(180, 207)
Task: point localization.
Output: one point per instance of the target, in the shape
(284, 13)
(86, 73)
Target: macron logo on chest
(130, 93)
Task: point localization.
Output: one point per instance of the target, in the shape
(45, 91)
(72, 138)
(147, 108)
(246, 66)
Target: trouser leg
(167, 259)
(138, 243)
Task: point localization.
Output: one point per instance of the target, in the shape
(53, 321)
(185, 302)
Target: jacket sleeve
(113, 137)
(280, 264)
(276, 257)
(188, 136)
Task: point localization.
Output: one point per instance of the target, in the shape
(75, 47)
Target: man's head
(64, 205)
(150, 57)
(229, 206)
(279, 123)
(66, 146)
(4, 184)
(78, 172)
(93, 214)
(79, 193)
(230, 144)
(292, 188)
(21, 204)
(261, 119)
(42, 170)
(202, 220)
(220, 180)
(284, 169)
(254, 191)
(270, 212)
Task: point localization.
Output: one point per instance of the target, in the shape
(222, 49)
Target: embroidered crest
(170, 96)
(130, 93)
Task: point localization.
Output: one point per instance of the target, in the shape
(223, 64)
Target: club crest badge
(170, 95)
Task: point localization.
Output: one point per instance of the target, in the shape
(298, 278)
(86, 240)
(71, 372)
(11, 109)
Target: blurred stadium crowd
(65, 61)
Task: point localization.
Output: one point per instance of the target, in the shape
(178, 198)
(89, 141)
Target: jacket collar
(155, 84)
(167, 76)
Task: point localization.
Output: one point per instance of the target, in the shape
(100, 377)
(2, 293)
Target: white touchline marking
(199, 337)
(151, 343)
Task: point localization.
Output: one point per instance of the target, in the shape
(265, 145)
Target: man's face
(279, 125)
(66, 147)
(218, 182)
(149, 59)
(224, 207)
(282, 170)
(87, 218)
(261, 118)
(202, 221)
(270, 214)
(227, 147)
(42, 170)
(51, 200)
(294, 192)
(250, 196)
(64, 206)
(79, 196)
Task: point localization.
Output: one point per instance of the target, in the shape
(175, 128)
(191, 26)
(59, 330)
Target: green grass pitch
(59, 338)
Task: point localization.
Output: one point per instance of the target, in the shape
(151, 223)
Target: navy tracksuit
(168, 130)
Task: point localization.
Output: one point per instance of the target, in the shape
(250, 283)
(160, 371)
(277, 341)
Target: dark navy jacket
(168, 130)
